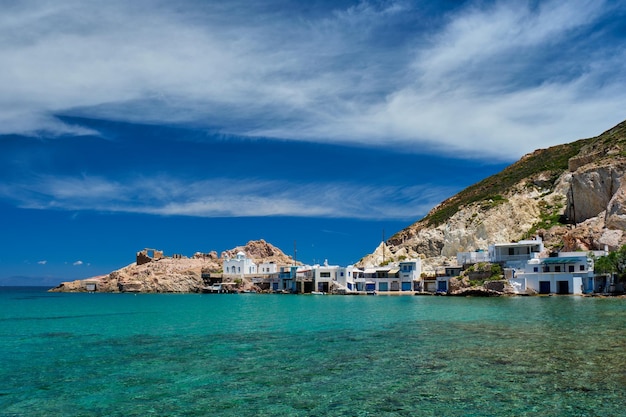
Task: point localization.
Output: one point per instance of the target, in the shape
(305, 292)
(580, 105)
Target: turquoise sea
(306, 355)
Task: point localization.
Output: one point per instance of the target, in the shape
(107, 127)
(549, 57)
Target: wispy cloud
(42, 262)
(494, 78)
(78, 263)
(226, 198)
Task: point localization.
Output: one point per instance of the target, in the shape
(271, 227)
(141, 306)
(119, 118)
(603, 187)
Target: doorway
(544, 287)
(562, 287)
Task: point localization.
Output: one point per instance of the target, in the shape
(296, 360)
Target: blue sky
(199, 125)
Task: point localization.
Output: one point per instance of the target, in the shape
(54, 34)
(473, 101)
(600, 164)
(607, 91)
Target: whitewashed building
(411, 274)
(567, 273)
(470, 258)
(267, 268)
(240, 265)
(396, 277)
(328, 278)
(284, 279)
(516, 254)
(324, 276)
(347, 278)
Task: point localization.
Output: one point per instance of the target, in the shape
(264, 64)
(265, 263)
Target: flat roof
(523, 243)
(563, 260)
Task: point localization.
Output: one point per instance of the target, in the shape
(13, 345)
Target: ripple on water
(396, 356)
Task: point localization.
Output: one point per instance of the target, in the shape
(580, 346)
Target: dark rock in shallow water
(476, 292)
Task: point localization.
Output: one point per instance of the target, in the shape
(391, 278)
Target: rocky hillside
(178, 274)
(260, 251)
(572, 195)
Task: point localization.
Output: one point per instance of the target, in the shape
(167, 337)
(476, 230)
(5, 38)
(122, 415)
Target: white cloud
(224, 197)
(42, 262)
(485, 82)
(77, 263)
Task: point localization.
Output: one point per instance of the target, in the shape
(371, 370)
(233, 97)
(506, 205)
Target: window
(325, 274)
(546, 268)
(557, 268)
(582, 267)
(536, 269)
(571, 268)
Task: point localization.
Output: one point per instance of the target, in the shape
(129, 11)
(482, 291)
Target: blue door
(544, 287)
(406, 286)
(442, 286)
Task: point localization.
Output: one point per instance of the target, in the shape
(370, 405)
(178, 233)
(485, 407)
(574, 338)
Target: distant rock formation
(159, 274)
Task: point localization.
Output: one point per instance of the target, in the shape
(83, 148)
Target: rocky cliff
(572, 195)
(173, 274)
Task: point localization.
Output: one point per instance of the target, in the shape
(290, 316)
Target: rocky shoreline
(176, 274)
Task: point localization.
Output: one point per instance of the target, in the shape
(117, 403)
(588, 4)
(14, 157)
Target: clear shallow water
(276, 355)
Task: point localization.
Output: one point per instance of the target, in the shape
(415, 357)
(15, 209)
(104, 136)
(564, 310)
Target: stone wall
(143, 257)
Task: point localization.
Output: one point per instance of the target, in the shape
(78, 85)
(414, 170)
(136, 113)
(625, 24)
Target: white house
(326, 278)
(347, 278)
(469, 258)
(323, 277)
(267, 268)
(283, 279)
(411, 274)
(515, 255)
(316, 278)
(399, 276)
(568, 273)
(240, 265)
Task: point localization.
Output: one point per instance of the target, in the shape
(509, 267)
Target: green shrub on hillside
(486, 270)
(550, 215)
(489, 191)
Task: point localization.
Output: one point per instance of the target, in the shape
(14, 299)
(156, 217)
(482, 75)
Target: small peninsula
(153, 272)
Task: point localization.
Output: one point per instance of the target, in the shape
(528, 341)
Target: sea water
(306, 355)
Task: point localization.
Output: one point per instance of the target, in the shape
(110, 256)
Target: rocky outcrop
(260, 251)
(456, 284)
(173, 275)
(475, 227)
(616, 209)
(580, 206)
(591, 189)
(382, 254)
(163, 275)
(476, 292)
